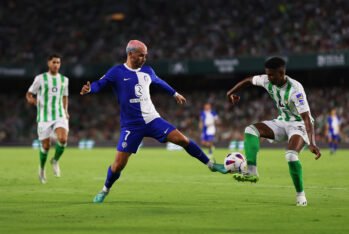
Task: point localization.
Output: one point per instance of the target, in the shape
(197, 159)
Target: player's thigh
(271, 129)
(130, 139)
(297, 135)
(45, 130)
(161, 129)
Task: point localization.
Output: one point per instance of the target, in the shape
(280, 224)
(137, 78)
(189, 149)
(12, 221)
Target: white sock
(252, 170)
(301, 194)
(105, 189)
(210, 164)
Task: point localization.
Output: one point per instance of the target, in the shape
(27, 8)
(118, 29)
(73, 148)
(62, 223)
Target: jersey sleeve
(105, 80)
(34, 88)
(300, 101)
(260, 80)
(161, 83)
(215, 115)
(66, 87)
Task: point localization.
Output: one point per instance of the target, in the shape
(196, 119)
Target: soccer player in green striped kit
(294, 123)
(49, 93)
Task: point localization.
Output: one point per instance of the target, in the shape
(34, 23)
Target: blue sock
(194, 150)
(210, 150)
(331, 146)
(335, 146)
(111, 178)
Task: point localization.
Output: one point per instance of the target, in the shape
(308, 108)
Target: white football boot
(42, 176)
(301, 200)
(55, 167)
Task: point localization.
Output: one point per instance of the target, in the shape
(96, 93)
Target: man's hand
(86, 88)
(30, 98)
(234, 98)
(180, 99)
(315, 150)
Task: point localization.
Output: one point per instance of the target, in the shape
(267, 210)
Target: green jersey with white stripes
(49, 90)
(289, 99)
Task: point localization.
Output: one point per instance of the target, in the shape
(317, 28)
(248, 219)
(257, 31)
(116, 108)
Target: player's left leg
(194, 150)
(295, 145)
(62, 138)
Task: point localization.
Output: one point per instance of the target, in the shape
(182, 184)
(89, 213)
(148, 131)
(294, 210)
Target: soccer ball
(235, 162)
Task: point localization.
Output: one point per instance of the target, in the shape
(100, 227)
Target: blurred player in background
(49, 93)
(207, 125)
(130, 83)
(294, 123)
(332, 130)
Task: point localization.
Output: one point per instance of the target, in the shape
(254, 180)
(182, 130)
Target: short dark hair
(53, 55)
(274, 63)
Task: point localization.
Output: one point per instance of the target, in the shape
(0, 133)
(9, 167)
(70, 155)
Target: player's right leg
(251, 145)
(44, 148)
(113, 174)
(129, 141)
(44, 133)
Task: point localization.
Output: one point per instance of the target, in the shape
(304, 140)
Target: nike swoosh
(166, 131)
(125, 79)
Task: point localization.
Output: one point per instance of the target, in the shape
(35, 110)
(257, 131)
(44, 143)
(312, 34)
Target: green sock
(295, 168)
(43, 158)
(59, 151)
(251, 145)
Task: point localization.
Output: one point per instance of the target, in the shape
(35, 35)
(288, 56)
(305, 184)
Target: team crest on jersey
(124, 144)
(54, 89)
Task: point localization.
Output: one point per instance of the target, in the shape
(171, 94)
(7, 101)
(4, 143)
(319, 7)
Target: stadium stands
(17, 124)
(182, 29)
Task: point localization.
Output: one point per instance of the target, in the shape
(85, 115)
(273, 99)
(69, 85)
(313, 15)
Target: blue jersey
(333, 124)
(131, 86)
(208, 119)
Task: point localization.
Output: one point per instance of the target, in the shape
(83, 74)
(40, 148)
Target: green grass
(170, 192)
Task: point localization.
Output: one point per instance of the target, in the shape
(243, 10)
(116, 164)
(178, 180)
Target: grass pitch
(170, 192)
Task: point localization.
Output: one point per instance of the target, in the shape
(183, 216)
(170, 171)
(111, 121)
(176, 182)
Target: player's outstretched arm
(86, 88)
(233, 98)
(180, 99)
(30, 98)
(309, 127)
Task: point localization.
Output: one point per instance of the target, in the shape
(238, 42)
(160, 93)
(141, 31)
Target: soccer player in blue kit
(130, 83)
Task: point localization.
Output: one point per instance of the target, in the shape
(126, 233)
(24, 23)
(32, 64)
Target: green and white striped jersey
(49, 91)
(289, 99)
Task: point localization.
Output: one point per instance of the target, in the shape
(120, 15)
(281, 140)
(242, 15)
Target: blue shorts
(335, 137)
(206, 137)
(131, 137)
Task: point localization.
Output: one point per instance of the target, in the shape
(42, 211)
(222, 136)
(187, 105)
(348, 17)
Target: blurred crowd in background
(90, 31)
(97, 118)
(181, 29)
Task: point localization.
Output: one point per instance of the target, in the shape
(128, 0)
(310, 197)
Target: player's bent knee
(62, 140)
(251, 129)
(291, 156)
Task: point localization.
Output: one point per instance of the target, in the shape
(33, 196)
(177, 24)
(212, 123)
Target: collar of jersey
(135, 70)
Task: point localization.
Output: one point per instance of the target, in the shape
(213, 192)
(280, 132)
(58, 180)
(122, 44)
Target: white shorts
(47, 129)
(285, 130)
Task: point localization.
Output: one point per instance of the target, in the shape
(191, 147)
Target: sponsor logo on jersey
(138, 90)
(300, 98)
